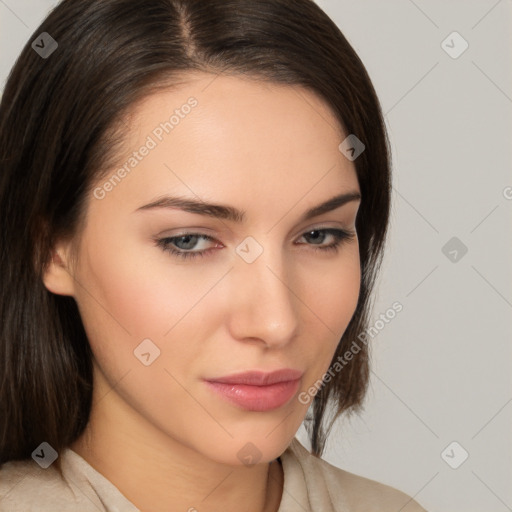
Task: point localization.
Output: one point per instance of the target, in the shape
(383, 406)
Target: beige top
(310, 485)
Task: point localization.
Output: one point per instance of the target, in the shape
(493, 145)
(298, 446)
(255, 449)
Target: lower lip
(257, 398)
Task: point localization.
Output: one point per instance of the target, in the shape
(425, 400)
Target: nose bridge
(264, 305)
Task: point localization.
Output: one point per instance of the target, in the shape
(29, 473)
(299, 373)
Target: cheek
(144, 292)
(131, 299)
(144, 295)
(332, 301)
(333, 291)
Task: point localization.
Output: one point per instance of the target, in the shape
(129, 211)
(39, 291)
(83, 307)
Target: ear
(58, 275)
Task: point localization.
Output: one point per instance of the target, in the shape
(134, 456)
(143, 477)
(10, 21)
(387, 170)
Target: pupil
(319, 234)
(187, 239)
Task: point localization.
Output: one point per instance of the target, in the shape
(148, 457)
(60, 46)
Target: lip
(257, 390)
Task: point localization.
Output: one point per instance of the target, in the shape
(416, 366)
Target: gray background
(442, 366)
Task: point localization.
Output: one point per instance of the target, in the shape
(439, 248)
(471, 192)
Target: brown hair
(59, 128)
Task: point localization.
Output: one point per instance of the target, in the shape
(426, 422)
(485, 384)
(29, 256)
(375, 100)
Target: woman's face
(264, 292)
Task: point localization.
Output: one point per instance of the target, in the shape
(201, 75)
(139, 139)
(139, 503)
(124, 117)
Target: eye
(186, 245)
(318, 237)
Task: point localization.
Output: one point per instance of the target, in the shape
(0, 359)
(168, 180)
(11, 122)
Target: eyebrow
(221, 211)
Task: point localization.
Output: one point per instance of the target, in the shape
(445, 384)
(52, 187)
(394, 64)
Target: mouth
(257, 391)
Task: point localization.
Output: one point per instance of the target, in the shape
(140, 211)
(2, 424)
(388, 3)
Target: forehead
(256, 114)
(231, 139)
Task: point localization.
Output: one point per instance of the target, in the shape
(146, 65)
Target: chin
(254, 446)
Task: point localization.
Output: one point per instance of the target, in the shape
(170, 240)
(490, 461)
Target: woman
(194, 202)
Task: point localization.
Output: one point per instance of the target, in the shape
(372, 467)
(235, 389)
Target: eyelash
(340, 236)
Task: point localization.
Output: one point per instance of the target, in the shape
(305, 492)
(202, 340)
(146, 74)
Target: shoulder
(24, 485)
(27, 487)
(329, 488)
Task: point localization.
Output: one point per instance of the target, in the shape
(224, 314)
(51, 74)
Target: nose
(263, 305)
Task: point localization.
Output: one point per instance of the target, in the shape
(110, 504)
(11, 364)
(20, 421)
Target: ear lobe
(57, 277)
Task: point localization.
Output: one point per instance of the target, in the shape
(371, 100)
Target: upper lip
(260, 378)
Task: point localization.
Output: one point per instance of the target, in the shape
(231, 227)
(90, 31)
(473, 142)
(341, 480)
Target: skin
(157, 432)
